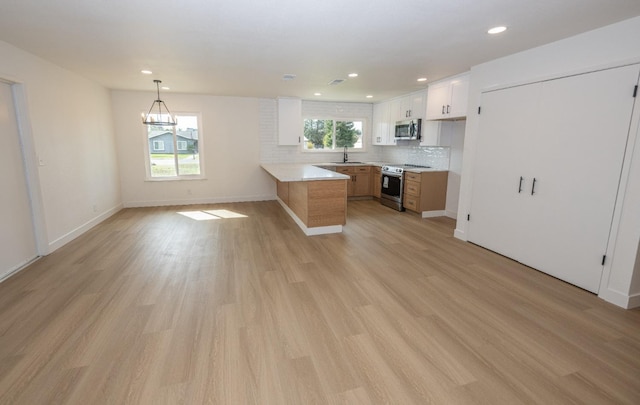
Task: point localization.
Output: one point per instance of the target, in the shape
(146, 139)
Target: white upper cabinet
(289, 121)
(386, 114)
(411, 106)
(448, 99)
(382, 125)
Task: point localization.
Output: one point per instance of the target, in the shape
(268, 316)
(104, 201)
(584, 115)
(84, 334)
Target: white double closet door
(17, 237)
(548, 166)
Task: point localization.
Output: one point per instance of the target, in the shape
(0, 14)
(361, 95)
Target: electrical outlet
(95, 208)
(189, 191)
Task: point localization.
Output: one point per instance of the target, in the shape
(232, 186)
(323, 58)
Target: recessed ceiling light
(165, 88)
(146, 72)
(369, 96)
(497, 30)
(422, 79)
(317, 94)
(353, 75)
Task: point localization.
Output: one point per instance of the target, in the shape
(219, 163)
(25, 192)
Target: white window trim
(182, 177)
(160, 143)
(183, 143)
(365, 134)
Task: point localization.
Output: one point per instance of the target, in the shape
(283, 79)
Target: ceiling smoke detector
(335, 81)
(288, 76)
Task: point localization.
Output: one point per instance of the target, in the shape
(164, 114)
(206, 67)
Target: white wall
(609, 45)
(68, 120)
(230, 156)
(456, 145)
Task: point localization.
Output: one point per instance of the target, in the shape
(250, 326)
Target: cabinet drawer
(412, 176)
(345, 170)
(410, 202)
(362, 169)
(412, 188)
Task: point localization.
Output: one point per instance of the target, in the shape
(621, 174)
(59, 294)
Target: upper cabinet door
(414, 105)
(381, 123)
(411, 106)
(437, 99)
(459, 97)
(448, 99)
(289, 121)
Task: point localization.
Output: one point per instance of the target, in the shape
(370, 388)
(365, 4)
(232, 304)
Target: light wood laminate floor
(154, 307)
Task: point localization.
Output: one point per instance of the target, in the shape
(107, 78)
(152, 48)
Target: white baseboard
(217, 200)
(433, 214)
(15, 270)
(318, 230)
(458, 234)
(634, 301)
(620, 299)
(68, 237)
(451, 214)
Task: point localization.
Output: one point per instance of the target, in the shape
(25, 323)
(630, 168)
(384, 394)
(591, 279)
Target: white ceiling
(244, 47)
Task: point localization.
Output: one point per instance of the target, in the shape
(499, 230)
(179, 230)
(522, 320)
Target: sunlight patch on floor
(211, 215)
(225, 214)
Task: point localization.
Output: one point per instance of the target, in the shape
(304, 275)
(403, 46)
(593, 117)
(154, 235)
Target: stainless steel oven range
(393, 185)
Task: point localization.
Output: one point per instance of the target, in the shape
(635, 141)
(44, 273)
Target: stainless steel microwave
(408, 130)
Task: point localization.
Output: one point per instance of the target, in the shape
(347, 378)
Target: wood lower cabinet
(360, 184)
(426, 191)
(376, 181)
(316, 203)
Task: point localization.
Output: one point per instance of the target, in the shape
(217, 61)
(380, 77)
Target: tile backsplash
(433, 156)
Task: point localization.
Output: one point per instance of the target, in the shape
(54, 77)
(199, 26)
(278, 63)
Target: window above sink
(332, 135)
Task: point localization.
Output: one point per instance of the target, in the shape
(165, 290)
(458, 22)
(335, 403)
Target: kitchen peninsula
(315, 198)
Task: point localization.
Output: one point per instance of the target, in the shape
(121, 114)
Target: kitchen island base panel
(318, 230)
(319, 207)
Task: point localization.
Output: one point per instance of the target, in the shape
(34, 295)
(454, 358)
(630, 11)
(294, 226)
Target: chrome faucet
(345, 158)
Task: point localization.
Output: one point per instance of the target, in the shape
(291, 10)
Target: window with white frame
(332, 134)
(158, 145)
(175, 151)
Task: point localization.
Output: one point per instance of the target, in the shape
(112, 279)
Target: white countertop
(341, 164)
(423, 169)
(287, 172)
(380, 164)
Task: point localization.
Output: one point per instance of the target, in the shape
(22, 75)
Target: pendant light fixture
(159, 118)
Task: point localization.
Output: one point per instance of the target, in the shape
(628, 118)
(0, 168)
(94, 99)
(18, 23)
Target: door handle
(533, 186)
(443, 110)
(448, 106)
(520, 185)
